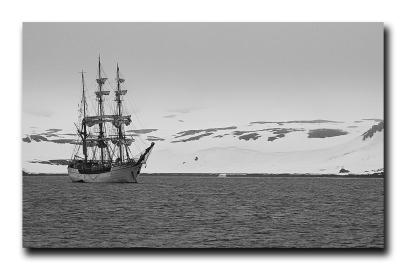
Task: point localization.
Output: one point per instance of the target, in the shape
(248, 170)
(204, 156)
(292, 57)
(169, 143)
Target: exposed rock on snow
(142, 131)
(252, 136)
(373, 130)
(196, 131)
(325, 133)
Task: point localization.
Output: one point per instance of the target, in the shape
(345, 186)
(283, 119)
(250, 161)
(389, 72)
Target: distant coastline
(228, 175)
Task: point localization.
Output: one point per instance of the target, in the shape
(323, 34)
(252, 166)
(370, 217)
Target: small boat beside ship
(103, 152)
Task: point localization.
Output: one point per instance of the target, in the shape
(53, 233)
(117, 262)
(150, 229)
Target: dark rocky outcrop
(26, 139)
(142, 131)
(326, 133)
(344, 171)
(375, 128)
(192, 138)
(52, 162)
(196, 131)
(252, 136)
(153, 138)
(37, 138)
(317, 121)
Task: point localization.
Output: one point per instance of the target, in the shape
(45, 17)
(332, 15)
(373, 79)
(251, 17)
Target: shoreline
(232, 175)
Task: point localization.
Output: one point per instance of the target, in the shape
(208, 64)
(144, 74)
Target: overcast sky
(208, 73)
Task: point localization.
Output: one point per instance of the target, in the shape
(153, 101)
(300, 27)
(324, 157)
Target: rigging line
(139, 137)
(74, 151)
(141, 148)
(140, 140)
(137, 146)
(113, 151)
(124, 107)
(126, 99)
(134, 112)
(140, 125)
(108, 152)
(129, 151)
(77, 150)
(94, 151)
(89, 99)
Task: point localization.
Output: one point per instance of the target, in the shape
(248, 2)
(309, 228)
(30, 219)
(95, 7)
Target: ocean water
(204, 212)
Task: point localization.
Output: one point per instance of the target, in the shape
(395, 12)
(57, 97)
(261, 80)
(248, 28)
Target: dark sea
(204, 212)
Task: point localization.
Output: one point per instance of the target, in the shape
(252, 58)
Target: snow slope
(313, 146)
(357, 155)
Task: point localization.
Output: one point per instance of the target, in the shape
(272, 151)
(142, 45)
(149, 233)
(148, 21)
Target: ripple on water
(204, 212)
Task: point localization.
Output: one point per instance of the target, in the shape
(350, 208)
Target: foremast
(100, 111)
(122, 120)
(121, 135)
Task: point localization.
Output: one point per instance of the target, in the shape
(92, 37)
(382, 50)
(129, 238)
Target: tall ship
(103, 152)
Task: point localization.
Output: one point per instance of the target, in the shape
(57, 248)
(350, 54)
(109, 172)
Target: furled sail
(101, 142)
(101, 93)
(118, 141)
(122, 120)
(121, 92)
(116, 120)
(101, 81)
(90, 143)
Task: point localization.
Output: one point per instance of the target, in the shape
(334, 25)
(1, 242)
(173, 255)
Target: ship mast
(83, 120)
(117, 119)
(100, 82)
(118, 99)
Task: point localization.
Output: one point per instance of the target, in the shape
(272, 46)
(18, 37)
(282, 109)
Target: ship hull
(117, 174)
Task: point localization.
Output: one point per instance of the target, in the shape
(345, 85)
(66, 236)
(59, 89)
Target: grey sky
(221, 72)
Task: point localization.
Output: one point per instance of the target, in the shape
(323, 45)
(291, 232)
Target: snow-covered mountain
(355, 153)
(302, 146)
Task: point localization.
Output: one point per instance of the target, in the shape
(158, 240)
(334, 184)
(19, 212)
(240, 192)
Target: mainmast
(99, 94)
(83, 120)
